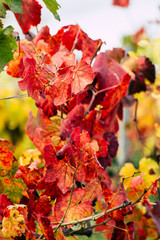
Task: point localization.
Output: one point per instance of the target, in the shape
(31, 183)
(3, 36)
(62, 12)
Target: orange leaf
(6, 156)
(77, 209)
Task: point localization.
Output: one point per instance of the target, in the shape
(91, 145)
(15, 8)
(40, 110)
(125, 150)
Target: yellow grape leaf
(14, 225)
(148, 172)
(151, 169)
(30, 156)
(127, 170)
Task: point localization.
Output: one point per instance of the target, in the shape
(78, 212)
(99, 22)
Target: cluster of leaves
(62, 188)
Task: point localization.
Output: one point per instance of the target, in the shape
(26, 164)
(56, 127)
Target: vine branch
(97, 216)
(13, 97)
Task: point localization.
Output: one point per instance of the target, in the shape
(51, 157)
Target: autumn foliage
(62, 186)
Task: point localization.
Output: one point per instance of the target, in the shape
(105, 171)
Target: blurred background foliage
(142, 124)
(14, 114)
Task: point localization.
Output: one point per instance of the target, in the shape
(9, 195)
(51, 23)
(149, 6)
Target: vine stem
(95, 93)
(70, 199)
(137, 128)
(97, 216)
(18, 96)
(93, 217)
(76, 40)
(92, 226)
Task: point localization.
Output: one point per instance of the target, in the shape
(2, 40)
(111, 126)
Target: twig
(97, 216)
(18, 96)
(95, 93)
(94, 217)
(98, 48)
(92, 226)
(138, 131)
(69, 203)
(135, 120)
(76, 40)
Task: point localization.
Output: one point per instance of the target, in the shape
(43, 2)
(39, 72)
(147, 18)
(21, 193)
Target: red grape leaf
(155, 187)
(113, 144)
(144, 70)
(34, 77)
(45, 225)
(136, 181)
(30, 235)
(52, 43)
(29, 176)
(108, 146)
(116, 53)
(78, 208)
(154, 213)
(89, 121)
(130, 228)
(123, 231)
(112, 82)
(82, 75)
(74, 37)
(119, 231)
(103, 152)
(43, 34)
(79, 74)
(114, 96)
(57, 170)
(42, 206)
(93, 190)
(121, 3)
(107, 229)
(79, 148)
(60, 90)
(4, 202)
(6, 154)
(62, 174)
(120, 198)
(31, 15)
(108, 72)
(42, 130)
(50, 188)
(45, 102)
(71, 78)
(71, 37)
(73, 119)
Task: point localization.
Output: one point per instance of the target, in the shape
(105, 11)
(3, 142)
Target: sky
(100, 19)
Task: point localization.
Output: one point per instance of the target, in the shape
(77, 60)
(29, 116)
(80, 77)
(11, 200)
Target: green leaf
(16, 6)
(53, 6)
(3, 8)
(8, 44)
